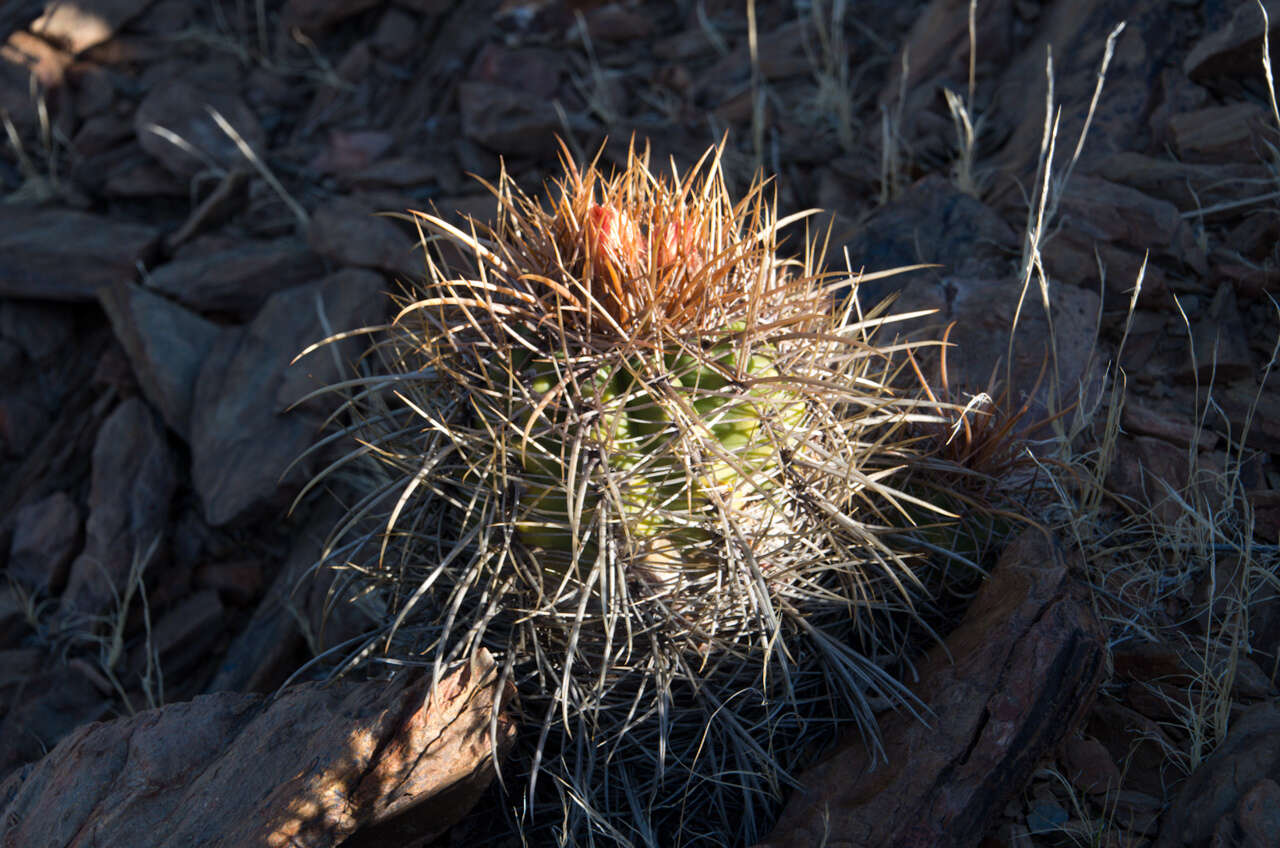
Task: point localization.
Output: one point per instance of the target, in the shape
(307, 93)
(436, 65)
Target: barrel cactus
(618, 441)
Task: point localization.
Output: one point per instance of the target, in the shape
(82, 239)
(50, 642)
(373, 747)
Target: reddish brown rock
(1118, 224)
(1013, 680)
(60, 254)
(238, 277)
(310, 767)
(352, 150)
(166, 345)
(506, 120)
(1249, 756)
(181, 638)
(78, 26)
(174, 124)
(134, 478)
(243, 433)
(1089, 765)
(46, 535)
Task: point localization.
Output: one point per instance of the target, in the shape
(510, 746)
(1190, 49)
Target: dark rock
(243, 434)
(22, 421)
(1119, 224)
(1089, 766)
(983, 312)
(1152, 473)
(1248, 756)
(1188, 186)
(262, 655)
(312, 15)
(238, 583)
(1236, 48)
(1077, 35)
(397, 35)
(166, 345)
(1220, 342)
(1230, 133)
(1255, 822)
(1165, 422)
(394, 759)
(933, 221)
(81, 26)
(352, 150)
(41, 710)
(46, 535)
(60, 254)
(237, 278)
(1010, 684)
(134, 479)
(175, 109)
(506, 120)
(349, 233)
(181, 637)
(43, 331)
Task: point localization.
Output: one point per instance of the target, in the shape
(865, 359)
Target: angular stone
(1230, 133)
(349, 233)
(243, 434)
(1089, 766)
(506, 120)
(933, 221)
(392, 761)
(166, 345)
(175, 115)
(1249, 755)
(46, 707)
(1186, 185)
(79, 26)
(133, 482)
(1118, 223)
(182, 637)
(1220, 342)
(1012, 681)
(237, 278)
(60, 254)
(983, 311)
(1152, 473)
(46, 535)
(1236, 48)
(1255, 822)
(263, 653)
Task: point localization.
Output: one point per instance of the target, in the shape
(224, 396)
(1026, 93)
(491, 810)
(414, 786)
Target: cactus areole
(629, 448)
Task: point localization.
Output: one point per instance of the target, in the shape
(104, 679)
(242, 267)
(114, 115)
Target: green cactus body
(637, 413)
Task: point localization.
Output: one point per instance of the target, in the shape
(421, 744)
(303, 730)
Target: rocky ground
(188, 193)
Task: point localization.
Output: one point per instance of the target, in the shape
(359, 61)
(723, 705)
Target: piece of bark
(1011, 682)
(306, 768)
